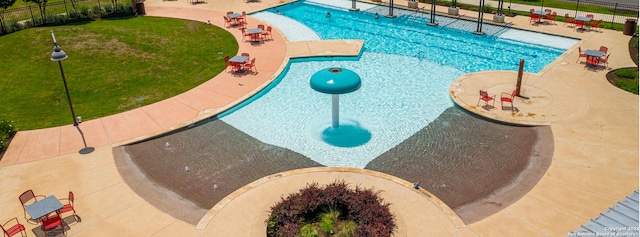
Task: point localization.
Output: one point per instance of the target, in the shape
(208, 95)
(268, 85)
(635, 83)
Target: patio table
(541, 14)
(583, 19)
(254, 34)
(43, 207)
(596, 53)
(234, 17)
(239, 60)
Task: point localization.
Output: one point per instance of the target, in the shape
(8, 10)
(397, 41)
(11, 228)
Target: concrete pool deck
(595, 164)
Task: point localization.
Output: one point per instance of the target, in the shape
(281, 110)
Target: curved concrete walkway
(595, 127)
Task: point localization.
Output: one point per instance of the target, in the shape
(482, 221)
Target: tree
(42, 4)
(4, 4)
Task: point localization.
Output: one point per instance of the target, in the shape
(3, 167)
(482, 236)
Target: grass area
(627, 79)
(114, 65)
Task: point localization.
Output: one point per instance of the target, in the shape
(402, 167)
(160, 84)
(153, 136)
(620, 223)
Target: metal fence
(30, 13)
(609, 12)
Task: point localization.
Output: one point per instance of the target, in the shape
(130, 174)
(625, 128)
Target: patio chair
(580, 54)
(535, 18)
(27, 198)
(531, 10)
(243, 19)
(261, 27)
(267, 33)
(592, 61)
(551, 17)
(605, 60)
(11, 230)
(251, 66)
(226, 62)
(590, 16)
(484, 96)
(51, 222)
(229, 12)
(506, 97)
(67, 207)
(568, 19)
(227, 21)
(604, 49)
(244, 54)
(244, 33)
(580, 25)
(596, 24)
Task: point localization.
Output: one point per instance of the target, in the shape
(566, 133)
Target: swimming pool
(406, 68)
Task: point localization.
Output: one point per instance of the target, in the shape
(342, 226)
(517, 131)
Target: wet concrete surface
(460, 158)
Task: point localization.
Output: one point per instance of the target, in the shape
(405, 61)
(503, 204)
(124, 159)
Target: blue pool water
(406, 68)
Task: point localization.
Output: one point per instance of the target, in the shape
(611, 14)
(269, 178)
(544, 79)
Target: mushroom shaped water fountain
(335, 81)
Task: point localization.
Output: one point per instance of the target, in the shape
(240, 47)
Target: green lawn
(114, 65)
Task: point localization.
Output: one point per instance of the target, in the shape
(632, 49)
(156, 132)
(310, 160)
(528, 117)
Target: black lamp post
(59, 55)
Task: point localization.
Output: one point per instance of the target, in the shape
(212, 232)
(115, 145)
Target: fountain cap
(335, 81)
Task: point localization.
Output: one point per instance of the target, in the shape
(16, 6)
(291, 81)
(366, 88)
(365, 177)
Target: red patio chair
(592, 61)
(244, 54)
(534, 18)
(590, 16)
(11, 230)
(506, 97)
(251, 66)
(67, 207)
(551, 17)
(51, 222)
(484, 96)
(255, 37)
(244, 33)
(243, 20)
(227, 21)
(568, 19)
(580, 54)
(27, 198)
(579, 24)
(596, 24)
(604, 49)
(267, 33)
(605, 60)
(226, 62)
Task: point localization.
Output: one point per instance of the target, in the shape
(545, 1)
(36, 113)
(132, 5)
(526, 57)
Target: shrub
(6, 130)
(292, 215)
(627, 73)
(97, 10)
(628, 85)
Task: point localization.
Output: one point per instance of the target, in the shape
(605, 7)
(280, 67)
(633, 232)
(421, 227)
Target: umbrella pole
(519, 83)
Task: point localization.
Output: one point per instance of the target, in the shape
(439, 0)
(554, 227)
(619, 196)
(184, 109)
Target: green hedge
(6, 130)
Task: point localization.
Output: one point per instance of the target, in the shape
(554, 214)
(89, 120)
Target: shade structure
(335, 81)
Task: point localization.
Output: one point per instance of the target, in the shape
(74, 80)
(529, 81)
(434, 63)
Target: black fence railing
(609, 13)
(67, 7)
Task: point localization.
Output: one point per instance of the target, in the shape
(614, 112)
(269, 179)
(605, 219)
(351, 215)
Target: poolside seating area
(594, 57)
(46, 211)
(241, 64)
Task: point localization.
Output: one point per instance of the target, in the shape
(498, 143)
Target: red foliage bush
(363, 206)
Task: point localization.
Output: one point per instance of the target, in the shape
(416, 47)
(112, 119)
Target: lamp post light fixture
(57, 56)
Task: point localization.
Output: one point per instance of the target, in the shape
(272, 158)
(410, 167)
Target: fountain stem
(335, 111)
